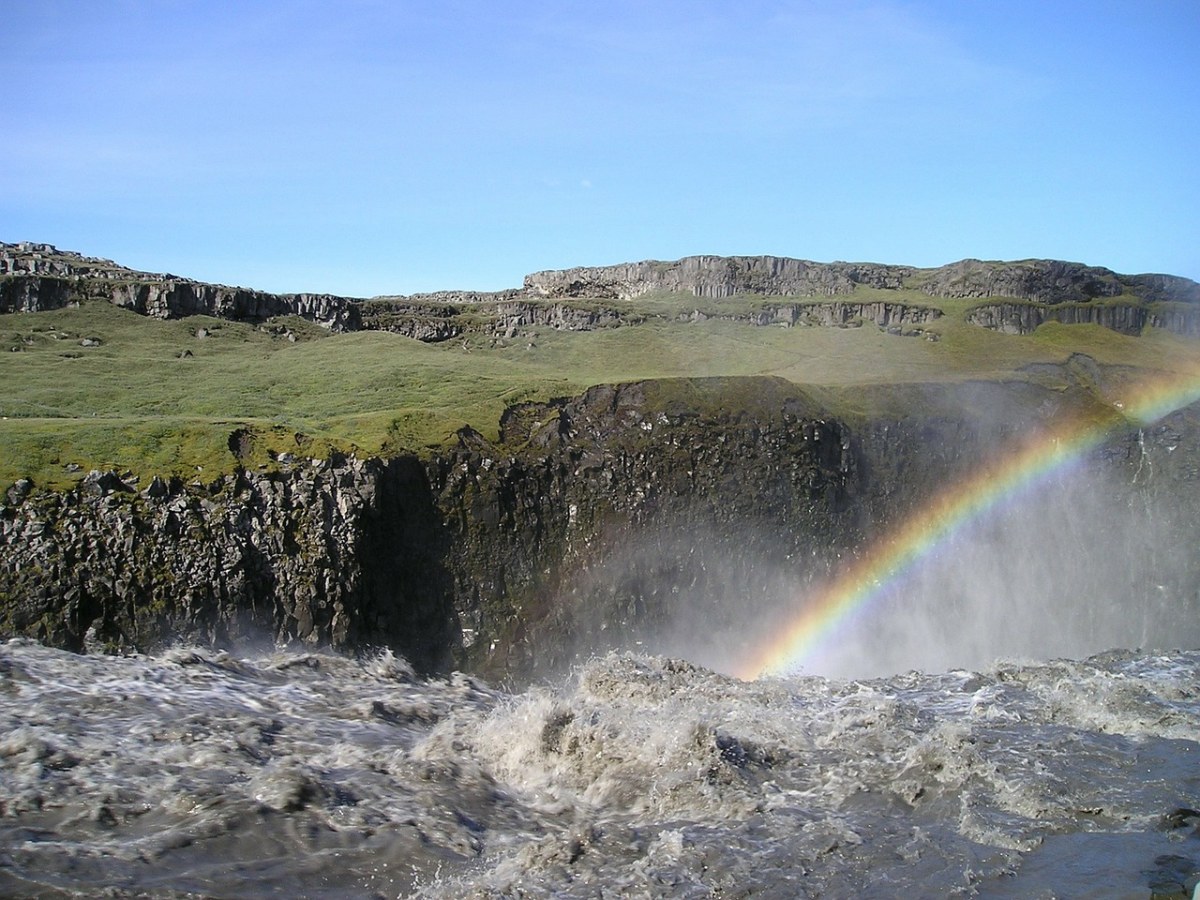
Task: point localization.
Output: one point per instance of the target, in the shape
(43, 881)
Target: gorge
(675, 515)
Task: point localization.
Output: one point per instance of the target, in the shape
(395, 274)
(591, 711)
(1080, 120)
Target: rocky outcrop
(1043, 281)
(37, 277)
(178, 299)
(1125, 318)
(46, 260)
(426, 321)
(321, 554)
(1178, 318)
(1078, 293)
(714, 277)
(33, 293)
(442, 321)
(839, 314)
(1051, 281)
(514, 314)
(1163, 288)
(632, 507)
(1024, 318)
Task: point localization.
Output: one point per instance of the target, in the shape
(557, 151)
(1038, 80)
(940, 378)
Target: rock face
(838, 314)
(717, 276)
(324, 554)
(612, 499)
(441, 321)
(1051, 281)
(1077, 293)
(619, 513)
(38, 276)
(1178, 318)
(33, 293)
(1125, 318)
(1024, 318)
(178, 299)
(1045, 281)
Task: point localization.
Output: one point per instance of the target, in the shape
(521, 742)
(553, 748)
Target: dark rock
(241, 443)
(157, 488)
(1173, 876)
(1024, 318)
(1181, 818)
(19, 490)
(101, 483)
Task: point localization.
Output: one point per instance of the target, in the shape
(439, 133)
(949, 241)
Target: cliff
(717, 276)
(1125, 318)
(1051, 281)
(592, 522)
(38, 276)
(1044, 281)
(334, 553)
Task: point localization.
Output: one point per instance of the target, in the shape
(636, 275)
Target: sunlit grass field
(163, 397)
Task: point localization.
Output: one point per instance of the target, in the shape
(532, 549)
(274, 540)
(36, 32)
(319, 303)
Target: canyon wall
(594, 522)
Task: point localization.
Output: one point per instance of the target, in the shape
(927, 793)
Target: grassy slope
(133, 403)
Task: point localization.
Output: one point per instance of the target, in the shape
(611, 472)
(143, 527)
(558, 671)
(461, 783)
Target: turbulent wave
(195, 773)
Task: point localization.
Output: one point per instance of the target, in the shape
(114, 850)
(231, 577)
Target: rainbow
(851, 593)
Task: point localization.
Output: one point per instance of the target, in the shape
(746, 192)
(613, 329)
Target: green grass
(132, 403)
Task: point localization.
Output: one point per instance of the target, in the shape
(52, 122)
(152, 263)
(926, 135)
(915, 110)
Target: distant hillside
(37, 277)
(1014, 297)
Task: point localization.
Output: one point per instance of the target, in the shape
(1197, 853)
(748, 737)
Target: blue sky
(364, 147)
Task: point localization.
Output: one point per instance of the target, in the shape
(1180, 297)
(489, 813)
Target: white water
(201, 775)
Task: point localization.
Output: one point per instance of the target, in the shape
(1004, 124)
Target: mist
(1095, 557)
(1076, 566)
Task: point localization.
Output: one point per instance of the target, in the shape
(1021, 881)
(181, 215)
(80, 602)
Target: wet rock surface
(246, 559)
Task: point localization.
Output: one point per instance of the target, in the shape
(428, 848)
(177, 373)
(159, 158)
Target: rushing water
(195, 773)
